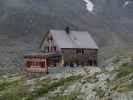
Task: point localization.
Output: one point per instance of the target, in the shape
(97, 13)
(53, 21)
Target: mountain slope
(24, 22)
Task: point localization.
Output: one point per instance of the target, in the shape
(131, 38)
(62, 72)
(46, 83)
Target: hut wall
(35, 64)
(80, 56)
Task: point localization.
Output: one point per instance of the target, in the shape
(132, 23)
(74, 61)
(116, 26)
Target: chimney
(67, 30)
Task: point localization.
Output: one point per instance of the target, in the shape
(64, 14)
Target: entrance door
(52, 61)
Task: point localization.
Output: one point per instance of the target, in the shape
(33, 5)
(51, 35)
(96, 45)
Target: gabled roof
(74, 39)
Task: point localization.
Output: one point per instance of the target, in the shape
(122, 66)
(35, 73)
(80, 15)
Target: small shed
(35, 62)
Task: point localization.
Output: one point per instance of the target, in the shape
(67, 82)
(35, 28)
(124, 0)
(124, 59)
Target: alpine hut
(75, 47)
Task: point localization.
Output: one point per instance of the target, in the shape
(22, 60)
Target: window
(50, 38)
(42, 64)
(80, 51)
(28, 64)
(55, 48)
(90, 62)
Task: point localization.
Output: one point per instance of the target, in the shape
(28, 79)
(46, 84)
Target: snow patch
(126, 3)
(89, 5)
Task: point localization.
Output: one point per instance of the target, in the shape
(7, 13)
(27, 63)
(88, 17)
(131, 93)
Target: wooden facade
(49, 45)
(83, 57)
(35, 63)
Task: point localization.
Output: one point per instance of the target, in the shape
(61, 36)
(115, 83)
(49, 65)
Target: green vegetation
(16, 89)
(13, 88)
(125, 87)
(122, 86)
(46, 87)
(121, 81)
(100, 93)
(124, 70)
(72, 96)
(5, 83)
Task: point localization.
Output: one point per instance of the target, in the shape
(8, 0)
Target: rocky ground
(113, 82)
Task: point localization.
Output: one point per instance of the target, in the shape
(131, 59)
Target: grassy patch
(46, 87)
(72, 96)
(6, 83)
(16, 93)
(124, 70)
(99, 92)
(121, 82)
(15, 88)
(123, 87)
